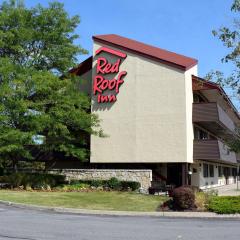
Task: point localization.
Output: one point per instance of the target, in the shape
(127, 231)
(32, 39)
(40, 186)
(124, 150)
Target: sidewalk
(206, 215)
(229, 190)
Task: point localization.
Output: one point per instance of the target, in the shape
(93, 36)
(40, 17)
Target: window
(205, 170)
(226, 172)
(234, 172)
(203, 135)
(200, 134)
(226, 149)
(195, 133)
(197, 98)
(220, 171)
(211, 170)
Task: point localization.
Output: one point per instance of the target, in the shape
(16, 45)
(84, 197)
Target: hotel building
(158, 115)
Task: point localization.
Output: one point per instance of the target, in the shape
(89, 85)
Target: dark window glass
(203, 135)
(220, 171)
(211, 170)
(234, 172)
(197, 98)
(200, 134)
(196, 133)
(205, 170)
(226, 171)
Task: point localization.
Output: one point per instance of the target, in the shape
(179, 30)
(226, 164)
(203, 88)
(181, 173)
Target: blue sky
(181, 26)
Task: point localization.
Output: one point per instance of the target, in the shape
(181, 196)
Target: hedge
(224, 204)
(42, 180)
(112, 183)
(33, 180)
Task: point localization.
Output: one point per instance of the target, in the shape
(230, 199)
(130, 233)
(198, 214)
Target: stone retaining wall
(143, 176)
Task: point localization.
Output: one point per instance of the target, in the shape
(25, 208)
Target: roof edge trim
(163, 61)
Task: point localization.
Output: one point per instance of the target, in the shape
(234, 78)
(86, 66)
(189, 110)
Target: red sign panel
(104, 67)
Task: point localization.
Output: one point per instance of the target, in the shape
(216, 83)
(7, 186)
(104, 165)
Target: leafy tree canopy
(42, 116)
(230, 37)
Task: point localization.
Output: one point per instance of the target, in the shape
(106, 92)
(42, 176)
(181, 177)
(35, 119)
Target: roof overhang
(156, 54)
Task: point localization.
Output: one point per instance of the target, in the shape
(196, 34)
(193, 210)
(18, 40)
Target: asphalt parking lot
(17, 223)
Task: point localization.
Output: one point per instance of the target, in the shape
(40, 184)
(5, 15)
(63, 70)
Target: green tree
(43, 116)
(230, 37)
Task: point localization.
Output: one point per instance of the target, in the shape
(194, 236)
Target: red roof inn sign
(100, 83)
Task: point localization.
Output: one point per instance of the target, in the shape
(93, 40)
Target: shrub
(92, 183)
(130, 184)
(183, 198)
(224, 204)
(15, 180)
(96, 183)
(1, 171)
(194, 188)
(73, 187)
(33, 180)
(201, 200)
(113, 183)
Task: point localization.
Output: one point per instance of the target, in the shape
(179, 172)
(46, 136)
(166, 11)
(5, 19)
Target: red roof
(148, 51)
(83, 67)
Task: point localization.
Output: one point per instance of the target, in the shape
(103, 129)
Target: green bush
(183, 198)
(112, 183)
(73, 187)
(43, 180)
(201, 200)
(130, 184)
(1, 171)
(224, 204)
(96, 183)
(92, 183)
(34, 180)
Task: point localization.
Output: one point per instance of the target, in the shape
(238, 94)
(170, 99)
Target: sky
(181, 26)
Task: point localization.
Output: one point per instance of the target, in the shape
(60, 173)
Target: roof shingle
(148, 51)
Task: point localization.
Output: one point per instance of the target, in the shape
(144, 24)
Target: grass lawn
(121, 201)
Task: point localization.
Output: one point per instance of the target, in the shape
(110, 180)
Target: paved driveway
(229, 190)
(22, 224)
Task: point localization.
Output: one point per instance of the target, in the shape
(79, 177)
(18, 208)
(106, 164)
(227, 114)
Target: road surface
(25, 224)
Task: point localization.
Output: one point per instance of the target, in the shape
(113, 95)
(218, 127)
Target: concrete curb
(206, 215)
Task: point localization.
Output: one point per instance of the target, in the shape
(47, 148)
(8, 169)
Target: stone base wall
(143, 176)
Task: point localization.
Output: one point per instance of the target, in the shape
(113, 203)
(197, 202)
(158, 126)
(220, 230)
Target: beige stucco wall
(151, 119)
(189, 102)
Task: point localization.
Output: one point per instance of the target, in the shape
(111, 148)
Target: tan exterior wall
(151, 119)
(189, 102)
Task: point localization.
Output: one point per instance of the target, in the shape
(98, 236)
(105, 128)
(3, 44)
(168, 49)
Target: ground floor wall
(143, 176)
(161, 174)
(206, 174)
